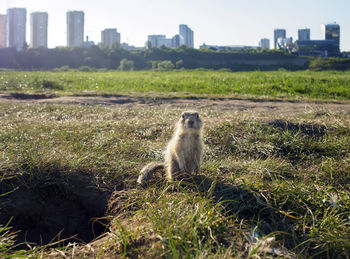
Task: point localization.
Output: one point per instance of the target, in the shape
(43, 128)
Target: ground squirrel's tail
(148, 170)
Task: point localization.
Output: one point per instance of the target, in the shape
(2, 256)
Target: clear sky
(214, 22)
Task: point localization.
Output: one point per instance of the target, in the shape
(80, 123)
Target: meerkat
(183, 153)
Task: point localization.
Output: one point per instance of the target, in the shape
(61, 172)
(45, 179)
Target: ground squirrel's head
(191, 120)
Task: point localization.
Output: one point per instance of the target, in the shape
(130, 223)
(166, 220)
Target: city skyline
(222, 23)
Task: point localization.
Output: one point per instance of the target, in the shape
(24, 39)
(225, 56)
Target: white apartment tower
(264, 43)
(155, 40)
(38, 29)
(109, 37)
(175, 41)
(16, 28)
(165, 42)
(160, 40)
(186, 36)
(75, 28)
(2, 31)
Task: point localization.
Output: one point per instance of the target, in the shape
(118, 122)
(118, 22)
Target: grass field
(270, 185)
(329, 85)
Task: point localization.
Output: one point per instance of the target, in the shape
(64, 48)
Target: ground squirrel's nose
(190, 122)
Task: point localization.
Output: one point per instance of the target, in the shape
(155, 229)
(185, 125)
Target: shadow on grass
(247, 204)
(23, 96)
(241, 201)
(311, 130)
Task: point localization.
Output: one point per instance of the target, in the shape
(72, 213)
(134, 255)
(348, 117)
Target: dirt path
(258, 106)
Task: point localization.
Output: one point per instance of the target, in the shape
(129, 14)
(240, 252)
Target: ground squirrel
(183, 153)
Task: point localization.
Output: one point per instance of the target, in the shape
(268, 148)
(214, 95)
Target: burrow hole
(53, 209)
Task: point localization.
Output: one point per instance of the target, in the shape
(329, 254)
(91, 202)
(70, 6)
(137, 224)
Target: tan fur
(183, 153)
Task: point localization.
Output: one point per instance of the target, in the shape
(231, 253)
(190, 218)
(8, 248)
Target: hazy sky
(214, 22)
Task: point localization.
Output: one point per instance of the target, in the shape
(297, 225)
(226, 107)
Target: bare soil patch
(224, 104)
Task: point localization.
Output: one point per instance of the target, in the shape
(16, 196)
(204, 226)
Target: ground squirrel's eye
(197, 116)
(183, 116)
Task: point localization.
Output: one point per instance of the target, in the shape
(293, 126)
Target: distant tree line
(321, 64)
(162, 59)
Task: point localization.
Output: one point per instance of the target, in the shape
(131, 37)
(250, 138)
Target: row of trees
(152, 58)
(321, 64)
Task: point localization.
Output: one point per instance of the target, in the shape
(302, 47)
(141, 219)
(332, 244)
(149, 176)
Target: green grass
(277, 186)
(328, 85)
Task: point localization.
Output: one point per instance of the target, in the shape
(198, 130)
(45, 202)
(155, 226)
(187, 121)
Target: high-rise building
(38, 29)
(332, 32)
(166, 42)
(186, 36)
(278, 33)
(75, 28)
(110, 37)
(304, 34)
(16, 28)
(264, 43)
(2, 30)
(155, 39)
(175, 41)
